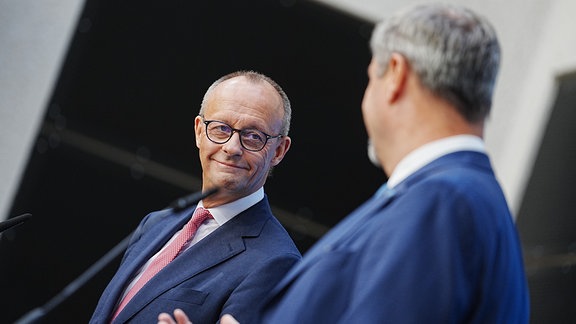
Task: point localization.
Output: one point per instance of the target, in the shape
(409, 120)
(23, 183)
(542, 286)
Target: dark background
(546, 219)
(117, 142)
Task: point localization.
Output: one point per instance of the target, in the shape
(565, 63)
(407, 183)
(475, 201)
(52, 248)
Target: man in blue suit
(437, 243)
(239, 254)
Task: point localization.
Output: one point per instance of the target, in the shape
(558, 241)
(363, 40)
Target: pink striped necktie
(167, 255)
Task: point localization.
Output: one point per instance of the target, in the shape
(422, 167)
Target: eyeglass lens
(251, 139)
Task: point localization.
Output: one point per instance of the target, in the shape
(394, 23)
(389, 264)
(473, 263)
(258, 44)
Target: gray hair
(454, 52)
(254, 77)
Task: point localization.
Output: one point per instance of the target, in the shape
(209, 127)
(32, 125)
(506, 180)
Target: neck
(427, 123)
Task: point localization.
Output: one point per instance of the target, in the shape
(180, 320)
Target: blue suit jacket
(440, 248)
(229, 271)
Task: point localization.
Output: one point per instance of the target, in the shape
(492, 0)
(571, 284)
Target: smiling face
(241, 104)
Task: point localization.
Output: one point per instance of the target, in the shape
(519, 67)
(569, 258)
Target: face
(241, 104)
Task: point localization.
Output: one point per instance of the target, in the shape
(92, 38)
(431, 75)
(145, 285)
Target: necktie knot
(200, 215)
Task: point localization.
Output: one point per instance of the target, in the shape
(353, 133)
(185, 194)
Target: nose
(233, 146)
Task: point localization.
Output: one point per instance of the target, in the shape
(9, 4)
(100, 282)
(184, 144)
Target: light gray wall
(34, 36)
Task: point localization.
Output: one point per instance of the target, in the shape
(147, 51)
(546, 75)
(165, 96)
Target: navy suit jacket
(229, 271)
(441, 247)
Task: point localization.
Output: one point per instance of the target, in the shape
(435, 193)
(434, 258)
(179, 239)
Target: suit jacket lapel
(224, 243)
(332, 240)
(139, 252)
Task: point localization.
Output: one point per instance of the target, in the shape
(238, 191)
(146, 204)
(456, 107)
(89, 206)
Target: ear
(281, 150)
(198, 127)
(397, 74)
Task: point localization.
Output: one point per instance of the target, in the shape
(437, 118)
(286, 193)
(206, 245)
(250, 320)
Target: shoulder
(156, 222)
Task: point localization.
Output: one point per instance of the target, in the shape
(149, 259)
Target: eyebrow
(241, 128)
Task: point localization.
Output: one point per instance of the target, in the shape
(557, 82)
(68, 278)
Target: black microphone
(17, 220)
(187, 201)
(38, 314)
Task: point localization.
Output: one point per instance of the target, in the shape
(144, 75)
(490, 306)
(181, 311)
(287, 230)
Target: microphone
(17, 220)
(187, 201)
(38, 314)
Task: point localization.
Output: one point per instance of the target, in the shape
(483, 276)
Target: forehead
(240, 99)
(243, 84)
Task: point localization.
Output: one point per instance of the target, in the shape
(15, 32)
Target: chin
(372, 154)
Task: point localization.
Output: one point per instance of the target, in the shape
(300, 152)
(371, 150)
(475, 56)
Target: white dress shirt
(429, 152)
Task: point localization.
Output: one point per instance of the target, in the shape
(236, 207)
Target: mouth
(229, 165)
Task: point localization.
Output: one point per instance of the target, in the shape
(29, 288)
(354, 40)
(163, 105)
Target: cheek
(368, 104)
(372, 108)
(206, 149)
(264, 161)
(260, 165)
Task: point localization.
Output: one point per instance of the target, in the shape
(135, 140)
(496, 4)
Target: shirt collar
(426, 153)
(226, 212)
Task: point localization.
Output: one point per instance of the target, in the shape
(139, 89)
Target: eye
(218, 131)
(221, 128)
(253, 135)
(224, 128)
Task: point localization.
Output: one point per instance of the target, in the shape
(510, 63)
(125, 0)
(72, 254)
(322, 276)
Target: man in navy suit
(235, 258)
(437, 242)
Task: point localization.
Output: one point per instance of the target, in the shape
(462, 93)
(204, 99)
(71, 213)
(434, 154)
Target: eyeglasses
(250, 138)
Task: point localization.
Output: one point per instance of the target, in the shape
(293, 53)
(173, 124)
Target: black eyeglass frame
(239, 131)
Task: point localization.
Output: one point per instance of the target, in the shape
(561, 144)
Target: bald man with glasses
(241, 250)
